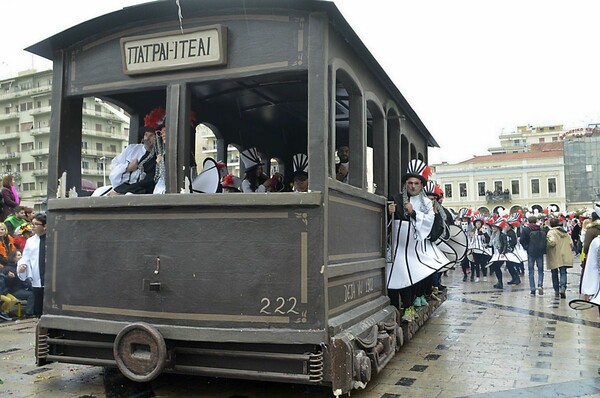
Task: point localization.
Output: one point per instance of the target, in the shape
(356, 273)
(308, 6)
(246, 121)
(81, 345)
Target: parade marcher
(231, 184)
(575, 234)
(466, 225)
(255, 180)
(300, 176)
(134, 169)
(533, 240)
(593, 229)
(590, 282)
(560, 257)
(478, 247)
(513, 259)
(415, 255)
(498, 244)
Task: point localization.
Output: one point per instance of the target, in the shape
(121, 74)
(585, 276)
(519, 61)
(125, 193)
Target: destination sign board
(206, 46)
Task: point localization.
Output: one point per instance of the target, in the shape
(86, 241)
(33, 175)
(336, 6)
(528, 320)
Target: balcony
(41, 90)
(40, 172)
(94, 133)
(10, 155)
(39, 152)
(102, 114)
(8, 136)
(86, 152)
(9, 116)
(92, 172)
(39, 131)
(39, 111)
(492, 197)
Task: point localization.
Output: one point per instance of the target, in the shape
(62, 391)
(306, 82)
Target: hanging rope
(180, 16)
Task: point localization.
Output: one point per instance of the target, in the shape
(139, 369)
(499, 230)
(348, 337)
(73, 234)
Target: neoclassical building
(532, 180)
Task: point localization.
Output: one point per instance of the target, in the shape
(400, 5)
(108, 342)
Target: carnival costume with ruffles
(415, 256)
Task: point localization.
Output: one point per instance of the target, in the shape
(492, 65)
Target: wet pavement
(480, 342)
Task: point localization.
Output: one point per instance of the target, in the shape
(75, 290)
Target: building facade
(531, 181)
(582, 165)
(523, 137)
(25, 110)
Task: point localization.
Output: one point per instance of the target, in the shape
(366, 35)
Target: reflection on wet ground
(480, 342)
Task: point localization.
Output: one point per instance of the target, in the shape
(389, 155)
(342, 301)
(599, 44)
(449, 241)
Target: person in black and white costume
(498, 246)
(464, 216)
(255, 180)
(507, 250)
(415, 257)
(478, 246)
(300, 177)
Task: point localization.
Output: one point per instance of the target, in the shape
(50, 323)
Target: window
(514, 184)
(85, 165)
(7, 110)
(98, 108)
(113, 148)
(25, 106)
(497, 187)
(448, 190)
(84, 145)
(481, 188)
(98, 127)
(40, 165)
(462, 187)
(98, 146)
(29, 186)
(39, 145)
(552, 185)
(28, 166)
(535, 185)
(554, 139)
(26, 146)
(542, 140)
(26, 126)
(7, 129)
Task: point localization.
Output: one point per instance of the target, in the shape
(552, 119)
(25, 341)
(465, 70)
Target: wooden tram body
(279, 286)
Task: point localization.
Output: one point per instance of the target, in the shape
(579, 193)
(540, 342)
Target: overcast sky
(469, 68)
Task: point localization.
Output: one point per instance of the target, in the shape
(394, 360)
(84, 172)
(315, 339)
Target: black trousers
(38, 301)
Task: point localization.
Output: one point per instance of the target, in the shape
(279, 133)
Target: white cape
(414, 260)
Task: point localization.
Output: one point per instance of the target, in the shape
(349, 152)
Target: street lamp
(103, 158)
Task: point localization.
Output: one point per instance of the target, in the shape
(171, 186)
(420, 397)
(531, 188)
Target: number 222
(280, 303)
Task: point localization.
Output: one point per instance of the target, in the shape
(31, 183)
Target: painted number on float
(279, 306)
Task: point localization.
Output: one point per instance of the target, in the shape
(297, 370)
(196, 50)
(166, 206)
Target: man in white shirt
(123, 168)
(33, 263)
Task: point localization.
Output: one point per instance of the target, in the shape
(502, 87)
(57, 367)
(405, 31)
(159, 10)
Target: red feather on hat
(228, 181)
(426, 172)
(155, 117)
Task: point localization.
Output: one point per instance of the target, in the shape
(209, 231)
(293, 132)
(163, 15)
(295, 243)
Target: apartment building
(520, 139)
(25, 110)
